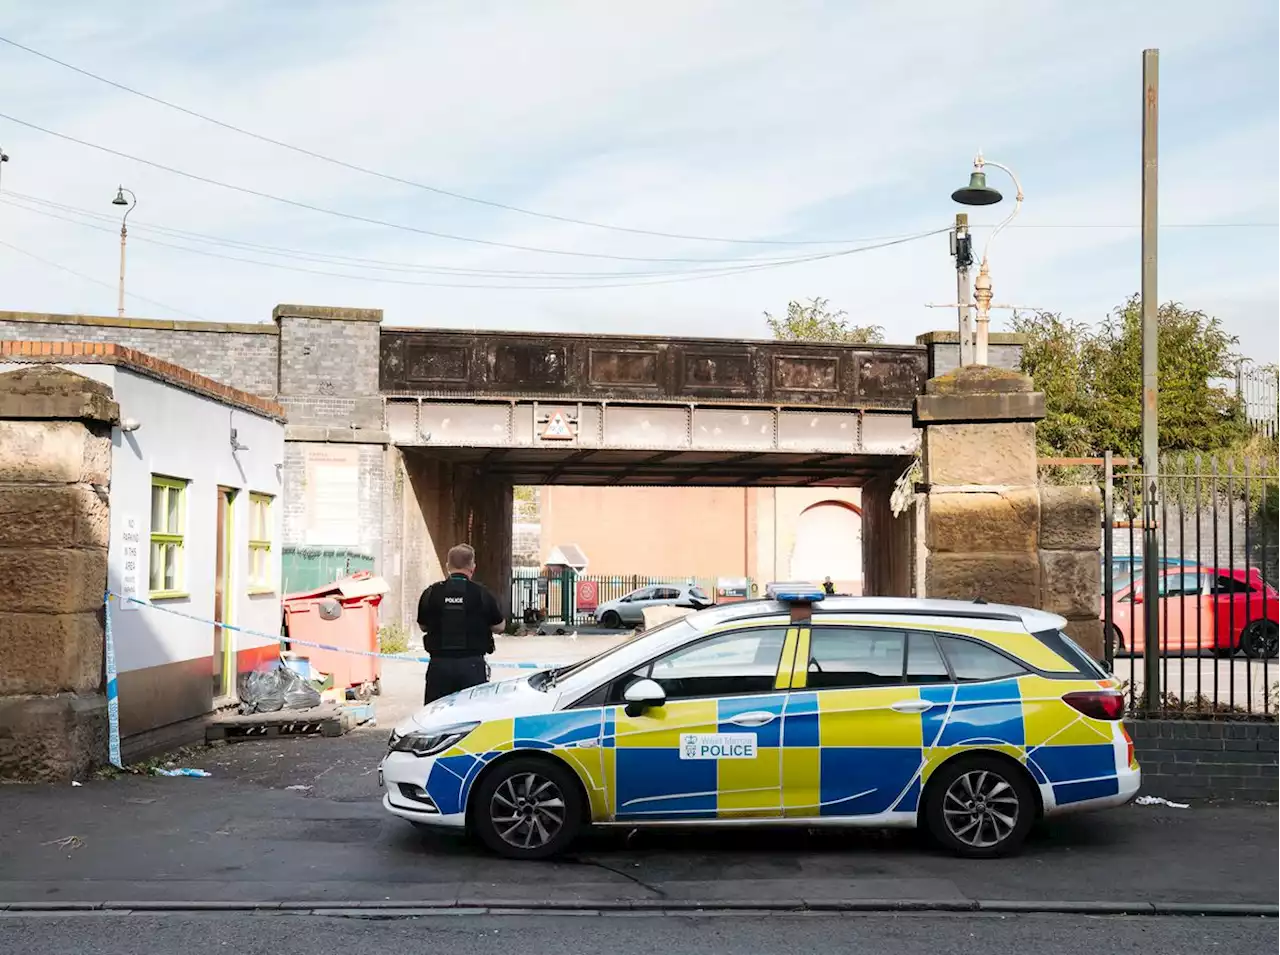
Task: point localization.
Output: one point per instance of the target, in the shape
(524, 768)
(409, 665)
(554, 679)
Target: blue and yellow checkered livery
(860, 753)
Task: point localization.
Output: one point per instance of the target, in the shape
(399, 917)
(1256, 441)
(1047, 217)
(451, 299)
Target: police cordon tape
(293, 641)
(113, 693)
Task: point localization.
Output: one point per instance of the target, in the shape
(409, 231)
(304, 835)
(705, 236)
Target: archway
(828, 543)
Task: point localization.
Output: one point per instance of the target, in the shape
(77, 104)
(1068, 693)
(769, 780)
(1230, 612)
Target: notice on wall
(131, 563)
(333, 495)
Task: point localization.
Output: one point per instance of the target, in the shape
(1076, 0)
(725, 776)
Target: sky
(822, 127)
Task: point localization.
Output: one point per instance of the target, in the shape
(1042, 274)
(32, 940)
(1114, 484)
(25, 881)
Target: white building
(195, 516)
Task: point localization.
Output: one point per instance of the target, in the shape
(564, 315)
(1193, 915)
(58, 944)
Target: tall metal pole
(1150, 378)
(124, 233)
(964, 258)
(131, 203)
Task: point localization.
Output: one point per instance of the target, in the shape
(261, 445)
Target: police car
(971, 720)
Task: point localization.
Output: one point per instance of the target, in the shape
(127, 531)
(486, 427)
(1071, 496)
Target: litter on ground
(1160, 801)
(181, 772)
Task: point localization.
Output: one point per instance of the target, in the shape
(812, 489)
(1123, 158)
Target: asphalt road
(730, 934)
(300, 819)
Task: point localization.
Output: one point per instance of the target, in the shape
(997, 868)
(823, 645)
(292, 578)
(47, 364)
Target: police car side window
(742, 661)
(924, 659)
(971, 661)
(846, 657)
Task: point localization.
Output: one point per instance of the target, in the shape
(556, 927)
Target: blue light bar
(794, 593)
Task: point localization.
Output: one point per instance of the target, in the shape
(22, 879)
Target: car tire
(1260, 640)
(986, 792)
(1117, 641)
(611, 620)
(528, 808)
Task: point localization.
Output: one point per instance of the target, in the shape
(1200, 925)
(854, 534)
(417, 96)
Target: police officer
(828, 587)
(458, 618)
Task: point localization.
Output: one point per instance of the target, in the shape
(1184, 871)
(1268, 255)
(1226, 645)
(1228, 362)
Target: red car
(1202, 608)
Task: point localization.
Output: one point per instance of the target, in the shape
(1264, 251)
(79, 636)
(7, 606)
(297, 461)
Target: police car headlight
(430, 742)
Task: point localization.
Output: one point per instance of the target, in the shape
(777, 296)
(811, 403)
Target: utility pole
(1150, 379)
(962, 249)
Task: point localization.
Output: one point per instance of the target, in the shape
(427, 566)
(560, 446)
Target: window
(1069, 650)
(1231, 585)
(644, 593)
(744, 661)
(697, 593)
(924, 659)
(1180, 585)
(666, 593)
(260, 528)
(853, 657)
(971, 661)
(168, 525)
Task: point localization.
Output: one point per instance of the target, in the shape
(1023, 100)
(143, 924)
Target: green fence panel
(306, 568)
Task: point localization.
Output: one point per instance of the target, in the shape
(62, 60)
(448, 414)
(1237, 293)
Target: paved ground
(300, 819)
(637, 935)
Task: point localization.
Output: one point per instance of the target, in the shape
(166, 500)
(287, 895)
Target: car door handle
(911, 706)
(754, 718)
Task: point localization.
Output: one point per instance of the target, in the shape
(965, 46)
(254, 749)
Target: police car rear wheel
(980, 807)
(528, 809)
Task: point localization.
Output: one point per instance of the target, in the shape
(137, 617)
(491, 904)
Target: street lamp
(131, 202)
(978, 193)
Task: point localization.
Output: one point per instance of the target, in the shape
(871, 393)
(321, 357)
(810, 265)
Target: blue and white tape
(292, 641)
(113, 691)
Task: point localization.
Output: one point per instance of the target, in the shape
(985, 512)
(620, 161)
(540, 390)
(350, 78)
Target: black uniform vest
(453, 617)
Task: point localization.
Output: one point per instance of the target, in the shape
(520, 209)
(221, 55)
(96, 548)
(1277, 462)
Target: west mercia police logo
(718, 746)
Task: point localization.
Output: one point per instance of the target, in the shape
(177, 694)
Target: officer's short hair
(461, 557)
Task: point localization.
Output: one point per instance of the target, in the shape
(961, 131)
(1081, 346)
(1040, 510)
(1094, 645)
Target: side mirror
(643, 695)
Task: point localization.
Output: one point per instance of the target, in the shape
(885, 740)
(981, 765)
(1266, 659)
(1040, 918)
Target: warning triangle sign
(557, 428)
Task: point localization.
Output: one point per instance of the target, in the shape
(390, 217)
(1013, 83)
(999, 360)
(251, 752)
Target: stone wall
(328, 387)
(241, 355)
(990, 530)
(55, 472)
(1192, 759)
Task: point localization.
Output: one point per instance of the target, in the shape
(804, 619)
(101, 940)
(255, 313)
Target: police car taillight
(1098, 704)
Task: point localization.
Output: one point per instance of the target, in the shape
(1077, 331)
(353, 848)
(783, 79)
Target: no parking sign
(588, 596)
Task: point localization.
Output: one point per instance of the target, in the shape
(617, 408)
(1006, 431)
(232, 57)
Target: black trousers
(446, 675)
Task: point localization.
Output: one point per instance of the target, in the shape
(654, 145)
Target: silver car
(629, 610)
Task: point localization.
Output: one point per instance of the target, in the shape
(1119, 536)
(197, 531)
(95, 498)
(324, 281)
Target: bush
(393, 638)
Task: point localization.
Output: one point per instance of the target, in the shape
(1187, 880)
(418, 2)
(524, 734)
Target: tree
(1092, 380)
(815, 322)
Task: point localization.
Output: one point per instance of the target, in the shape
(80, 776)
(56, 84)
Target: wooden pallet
(318, 721)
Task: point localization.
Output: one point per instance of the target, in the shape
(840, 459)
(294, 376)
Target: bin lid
(360, 584)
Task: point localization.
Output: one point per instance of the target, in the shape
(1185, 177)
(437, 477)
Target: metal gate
(1201, 533)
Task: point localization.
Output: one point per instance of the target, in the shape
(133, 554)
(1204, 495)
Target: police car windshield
(546, 679)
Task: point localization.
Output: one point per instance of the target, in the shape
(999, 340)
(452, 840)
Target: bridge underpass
(471, 415)
(460, 461)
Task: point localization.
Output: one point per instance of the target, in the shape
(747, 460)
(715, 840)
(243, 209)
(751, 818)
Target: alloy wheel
(980, 809)
(1260, 639)
(527, 810)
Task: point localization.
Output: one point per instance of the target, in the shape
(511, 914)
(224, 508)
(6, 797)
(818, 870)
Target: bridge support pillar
(990, 529)
(437, 504)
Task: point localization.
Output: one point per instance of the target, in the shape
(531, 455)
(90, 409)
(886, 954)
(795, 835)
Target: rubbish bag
(298, 693)
(270, 691)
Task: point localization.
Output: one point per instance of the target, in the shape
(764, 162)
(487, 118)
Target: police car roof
(1032, 620)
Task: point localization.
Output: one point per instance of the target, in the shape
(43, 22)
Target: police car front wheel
(528, 809)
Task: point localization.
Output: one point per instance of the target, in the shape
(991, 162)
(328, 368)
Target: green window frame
(167, 568)
(261, 579)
